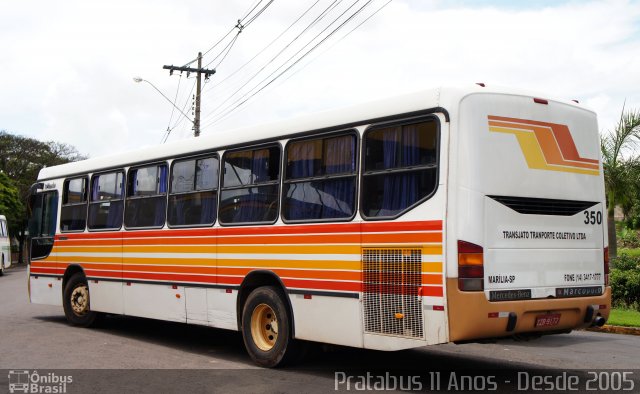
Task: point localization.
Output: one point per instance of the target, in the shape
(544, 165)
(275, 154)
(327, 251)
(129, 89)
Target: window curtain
(93, 212)
(162, 188)
(400, 149)
(303, 200)
(207, 214)
(254, 201)
(95, 188)
(160, 202)
(339, 158)
(209, 198)
(116, 208)
(114, 217)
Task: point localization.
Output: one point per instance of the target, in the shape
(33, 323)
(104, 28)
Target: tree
(618, 170)
(10, 203)
(21, 159)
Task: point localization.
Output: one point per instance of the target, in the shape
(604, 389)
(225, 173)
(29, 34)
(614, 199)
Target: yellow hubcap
(80, 300)
(264, 327)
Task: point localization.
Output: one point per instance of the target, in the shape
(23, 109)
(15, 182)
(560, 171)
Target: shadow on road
(322, 359)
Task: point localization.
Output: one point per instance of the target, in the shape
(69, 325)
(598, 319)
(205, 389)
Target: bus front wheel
(266, 327)
(76, 302)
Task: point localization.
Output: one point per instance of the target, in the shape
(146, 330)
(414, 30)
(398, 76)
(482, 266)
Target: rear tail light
(606, 266)
(470, 267)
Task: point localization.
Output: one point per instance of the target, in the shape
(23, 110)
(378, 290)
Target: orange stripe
(402, 238)
(432, 279)
(432, 291)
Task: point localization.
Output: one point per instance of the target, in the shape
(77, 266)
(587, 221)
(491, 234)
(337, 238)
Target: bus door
(44, 276)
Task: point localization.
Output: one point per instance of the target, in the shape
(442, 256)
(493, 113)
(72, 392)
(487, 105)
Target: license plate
(548, 320)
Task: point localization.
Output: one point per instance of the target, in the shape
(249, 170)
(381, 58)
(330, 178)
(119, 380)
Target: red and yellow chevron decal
(546, 146)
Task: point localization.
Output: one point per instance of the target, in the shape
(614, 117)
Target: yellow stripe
(432, 267)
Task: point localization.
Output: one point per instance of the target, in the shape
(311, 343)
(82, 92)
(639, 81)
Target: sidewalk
(616, 329)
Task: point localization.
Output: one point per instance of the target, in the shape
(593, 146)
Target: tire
(266, 328)
(76, 302)
(2, 266)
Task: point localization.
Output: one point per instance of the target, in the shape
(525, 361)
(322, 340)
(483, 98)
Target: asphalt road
(140, 355)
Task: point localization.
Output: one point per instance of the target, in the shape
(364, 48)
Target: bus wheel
(266, 328)
(2, 266)
(76, 302)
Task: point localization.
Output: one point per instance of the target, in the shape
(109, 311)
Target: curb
(616, 329)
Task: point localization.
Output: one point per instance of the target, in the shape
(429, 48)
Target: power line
(228, 110)
(265, 48)
(225, 50)
(340, 39)
(322, 15)
(240, 21)
(173, 110)
(259, 13)
(200, 70)
(181, 118)
(251, 9)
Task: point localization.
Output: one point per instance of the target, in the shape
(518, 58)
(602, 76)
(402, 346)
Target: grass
(624, 317)
(629, 252)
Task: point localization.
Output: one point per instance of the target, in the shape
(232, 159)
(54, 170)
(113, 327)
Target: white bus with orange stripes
(448, 215)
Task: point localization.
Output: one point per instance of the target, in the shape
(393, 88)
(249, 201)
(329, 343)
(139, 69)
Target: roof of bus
(443, 97)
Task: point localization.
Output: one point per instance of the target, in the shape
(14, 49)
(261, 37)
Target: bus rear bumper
(472, 316)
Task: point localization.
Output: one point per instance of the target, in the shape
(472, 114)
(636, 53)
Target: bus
(5, 245)
(448, 215)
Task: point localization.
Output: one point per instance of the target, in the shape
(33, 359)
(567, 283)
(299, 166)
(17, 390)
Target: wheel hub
(264, 327)
(80, 300)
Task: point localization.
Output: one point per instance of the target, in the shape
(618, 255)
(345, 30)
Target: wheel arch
(69, 272)
(259, 278)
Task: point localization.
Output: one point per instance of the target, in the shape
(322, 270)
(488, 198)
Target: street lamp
(139, 79)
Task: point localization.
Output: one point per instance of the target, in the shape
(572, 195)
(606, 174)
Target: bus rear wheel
(266, 328)
(76, 302)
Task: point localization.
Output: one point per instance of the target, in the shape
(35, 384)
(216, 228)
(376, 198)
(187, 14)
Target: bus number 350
(592, 217)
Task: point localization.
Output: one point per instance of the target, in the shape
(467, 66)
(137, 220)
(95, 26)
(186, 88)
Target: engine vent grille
(391, 282)
(543, 206)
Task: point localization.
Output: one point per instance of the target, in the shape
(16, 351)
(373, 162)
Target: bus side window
(250, 186)
(320, 179)
(400, 167)
(106, 203)
(146, 200)
(73, 215)
(193, 195)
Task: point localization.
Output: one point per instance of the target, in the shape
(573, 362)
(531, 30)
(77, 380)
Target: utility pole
(199, 71)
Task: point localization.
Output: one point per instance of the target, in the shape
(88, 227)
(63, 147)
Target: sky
(67, 67)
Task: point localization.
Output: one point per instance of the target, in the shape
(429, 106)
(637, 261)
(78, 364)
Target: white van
(5, 245)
